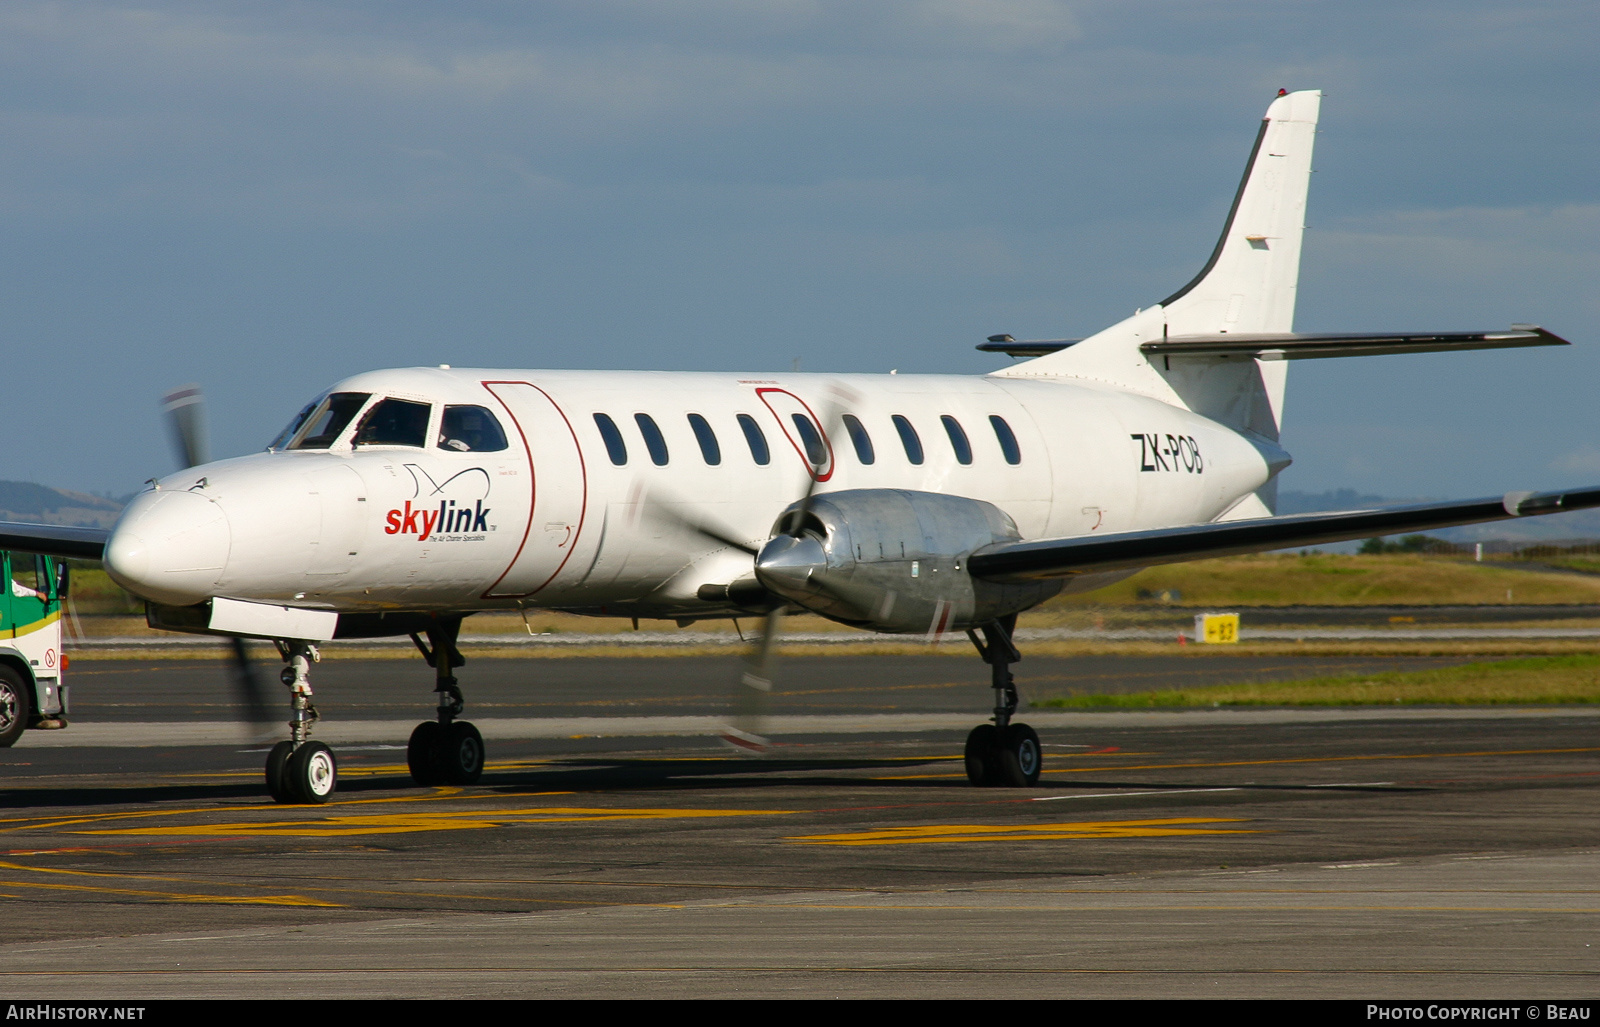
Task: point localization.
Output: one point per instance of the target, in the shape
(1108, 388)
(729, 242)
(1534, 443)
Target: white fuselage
(552, 520)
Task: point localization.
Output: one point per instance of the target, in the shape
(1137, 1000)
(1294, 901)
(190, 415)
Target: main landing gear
(1002, 754)
(300, 770)
(446, 750)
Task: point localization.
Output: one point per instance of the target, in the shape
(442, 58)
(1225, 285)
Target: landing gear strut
(1002, 753)
(446, 750)
(300, 770)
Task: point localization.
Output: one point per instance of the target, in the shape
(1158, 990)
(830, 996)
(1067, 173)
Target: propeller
(746, 727)
(185, 410)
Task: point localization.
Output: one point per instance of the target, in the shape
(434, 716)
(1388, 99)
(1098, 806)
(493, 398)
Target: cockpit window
(395, 422)
(330, 419)
(284, 436)
(468, 429)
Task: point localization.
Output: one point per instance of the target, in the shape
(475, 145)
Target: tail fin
(1249, 283)
(1247, 286)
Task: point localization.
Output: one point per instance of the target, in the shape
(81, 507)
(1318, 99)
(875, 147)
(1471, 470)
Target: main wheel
(311, 773)
(460, 753)
(15, 707)
(1021, 758)
(276, 759)
(983, 756)
(422, 754)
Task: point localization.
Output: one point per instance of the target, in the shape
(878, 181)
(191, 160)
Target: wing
(76, 543)
(1065, 557)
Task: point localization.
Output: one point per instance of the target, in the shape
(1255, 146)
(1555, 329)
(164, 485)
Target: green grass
(1584, 564)
(1535, 680)
(1325, 579)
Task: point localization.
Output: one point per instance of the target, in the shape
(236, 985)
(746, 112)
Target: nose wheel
(307, 775)
(300, 770)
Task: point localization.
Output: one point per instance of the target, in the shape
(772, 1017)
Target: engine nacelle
(894, 560)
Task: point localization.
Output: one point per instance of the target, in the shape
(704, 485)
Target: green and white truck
(32, 692)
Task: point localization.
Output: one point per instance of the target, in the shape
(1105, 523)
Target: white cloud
(1584, 460)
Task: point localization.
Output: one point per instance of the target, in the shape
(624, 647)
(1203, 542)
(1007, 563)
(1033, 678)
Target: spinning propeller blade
(247, 685)
(747, 729)
(654, 507)
(185, 410)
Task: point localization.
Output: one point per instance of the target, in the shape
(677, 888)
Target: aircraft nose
(169, 547)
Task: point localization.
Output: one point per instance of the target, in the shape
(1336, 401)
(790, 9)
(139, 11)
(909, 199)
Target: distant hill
(27, 501)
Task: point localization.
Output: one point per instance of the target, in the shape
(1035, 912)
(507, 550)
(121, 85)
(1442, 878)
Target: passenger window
(616, 449)
(468, 429)
(816, 452)
(860, 439)
(707, 439)
(331, 419)
(958, 439)
(1007, 439)
(653, 441)
(908, 439)
(757, 440)
(395, 422)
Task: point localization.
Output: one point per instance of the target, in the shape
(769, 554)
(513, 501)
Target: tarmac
(1372, 854)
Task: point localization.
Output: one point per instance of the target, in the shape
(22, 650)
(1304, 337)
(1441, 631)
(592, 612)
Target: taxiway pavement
(1377, 854)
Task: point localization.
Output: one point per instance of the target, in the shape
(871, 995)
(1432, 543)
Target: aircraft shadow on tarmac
(590, 774)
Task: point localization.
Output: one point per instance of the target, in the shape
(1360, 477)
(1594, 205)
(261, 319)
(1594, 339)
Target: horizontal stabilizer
(1296, 346)
(77, 543)
(1086, 554)
(1026, 347)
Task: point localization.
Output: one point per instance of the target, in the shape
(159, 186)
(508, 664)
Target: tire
(311, 773)
(276, 760)
(1021, 757)
(422, 754)
(460, 754)
(983, 756)
(16, 707)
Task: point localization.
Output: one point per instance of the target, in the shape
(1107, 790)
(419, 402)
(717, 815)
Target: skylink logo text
(447, 518)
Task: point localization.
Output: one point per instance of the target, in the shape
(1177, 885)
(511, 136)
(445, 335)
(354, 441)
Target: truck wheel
(15, 707)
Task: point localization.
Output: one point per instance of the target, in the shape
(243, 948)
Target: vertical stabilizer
(1248, 285)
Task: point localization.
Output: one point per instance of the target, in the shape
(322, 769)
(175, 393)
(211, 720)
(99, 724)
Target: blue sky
(266, 197)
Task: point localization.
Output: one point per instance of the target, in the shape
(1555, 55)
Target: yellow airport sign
(1216, 627)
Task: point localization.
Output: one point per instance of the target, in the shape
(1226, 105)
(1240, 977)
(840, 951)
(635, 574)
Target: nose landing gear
(446, 750)
(300, 770)
(1002, 754)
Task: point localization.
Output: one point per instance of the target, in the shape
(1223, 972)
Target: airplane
(400, 501)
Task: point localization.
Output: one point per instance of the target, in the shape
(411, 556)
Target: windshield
(330, 419)
(395, 422)
(283, 437)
